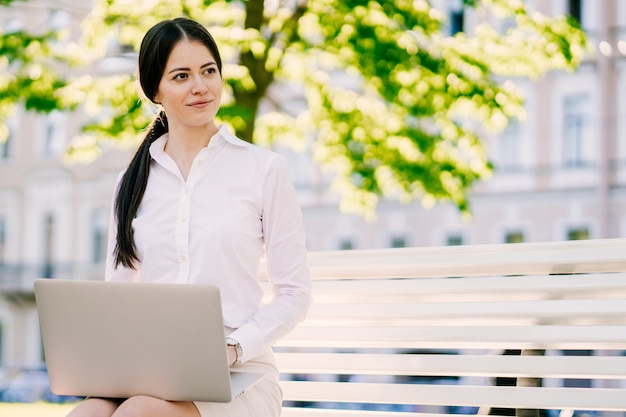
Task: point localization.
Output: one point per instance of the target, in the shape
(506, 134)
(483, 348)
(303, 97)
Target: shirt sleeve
(287, 267)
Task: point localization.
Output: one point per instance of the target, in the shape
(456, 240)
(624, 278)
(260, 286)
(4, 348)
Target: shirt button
(183, 258)
(183, 220)
(200, 162)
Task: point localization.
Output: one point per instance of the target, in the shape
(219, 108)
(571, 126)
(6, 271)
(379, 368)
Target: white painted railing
(435, 331)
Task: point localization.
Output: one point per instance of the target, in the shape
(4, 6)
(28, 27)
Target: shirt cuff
(251, 341)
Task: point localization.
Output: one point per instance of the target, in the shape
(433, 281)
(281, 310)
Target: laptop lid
(118, 339)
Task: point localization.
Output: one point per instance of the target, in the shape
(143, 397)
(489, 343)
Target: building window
(575, 9)
(13, 25)
(1, 342)
(457, 18)
(398, 242)
(580, 233)
(127, 49)
(575, 128)
(510, 146)
(48, 244)
(3, 241)
(98, 235)
(56, 134)
(59, 19)
(6, 142)
(5, 148)
(454, 240)
(514, 237)
(346, 244)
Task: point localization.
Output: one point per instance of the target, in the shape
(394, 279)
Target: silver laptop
(112, 339)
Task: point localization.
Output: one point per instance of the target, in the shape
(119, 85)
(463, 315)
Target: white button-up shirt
(237, 206)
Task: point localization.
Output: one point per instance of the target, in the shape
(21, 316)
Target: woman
(197, 205)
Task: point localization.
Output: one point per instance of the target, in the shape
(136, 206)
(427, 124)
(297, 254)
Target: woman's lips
(199, 104)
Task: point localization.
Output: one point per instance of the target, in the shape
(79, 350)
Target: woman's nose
(198, 86)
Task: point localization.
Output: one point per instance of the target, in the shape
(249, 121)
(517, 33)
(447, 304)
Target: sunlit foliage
(394, 106)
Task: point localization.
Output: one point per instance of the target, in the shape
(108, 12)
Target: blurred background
(493, 122)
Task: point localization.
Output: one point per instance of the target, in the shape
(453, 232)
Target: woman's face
(190, 90)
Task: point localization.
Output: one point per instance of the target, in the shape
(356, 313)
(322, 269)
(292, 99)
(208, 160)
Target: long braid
(131, 191)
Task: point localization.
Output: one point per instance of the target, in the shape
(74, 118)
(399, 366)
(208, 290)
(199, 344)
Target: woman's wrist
(233, 347)
(231, 354)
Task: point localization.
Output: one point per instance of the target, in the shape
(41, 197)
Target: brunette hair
(154, 52)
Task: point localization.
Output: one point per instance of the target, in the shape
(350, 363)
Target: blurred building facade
(560, 175)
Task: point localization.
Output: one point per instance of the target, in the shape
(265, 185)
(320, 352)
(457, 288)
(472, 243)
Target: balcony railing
(20, 277)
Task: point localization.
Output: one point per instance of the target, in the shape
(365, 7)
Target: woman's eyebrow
(178, 69)
(208, 64)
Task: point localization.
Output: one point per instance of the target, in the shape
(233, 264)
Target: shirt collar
(226, 134)
(223, 133)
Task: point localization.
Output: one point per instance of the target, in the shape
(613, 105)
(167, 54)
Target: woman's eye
(180, 76)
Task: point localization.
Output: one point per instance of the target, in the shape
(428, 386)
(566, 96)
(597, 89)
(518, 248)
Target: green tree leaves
(392, 105)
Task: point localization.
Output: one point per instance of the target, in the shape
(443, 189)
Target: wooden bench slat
(576, 283)
(459, 337)
(328, 412)
(499, 288)
(600, 367)
(520, 259)
(325, 412)
(519, 312)
(598, 399)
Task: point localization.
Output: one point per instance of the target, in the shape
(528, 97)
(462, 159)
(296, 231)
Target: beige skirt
(262, 400)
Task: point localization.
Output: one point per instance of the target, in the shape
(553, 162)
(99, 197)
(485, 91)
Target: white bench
(423, 331)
